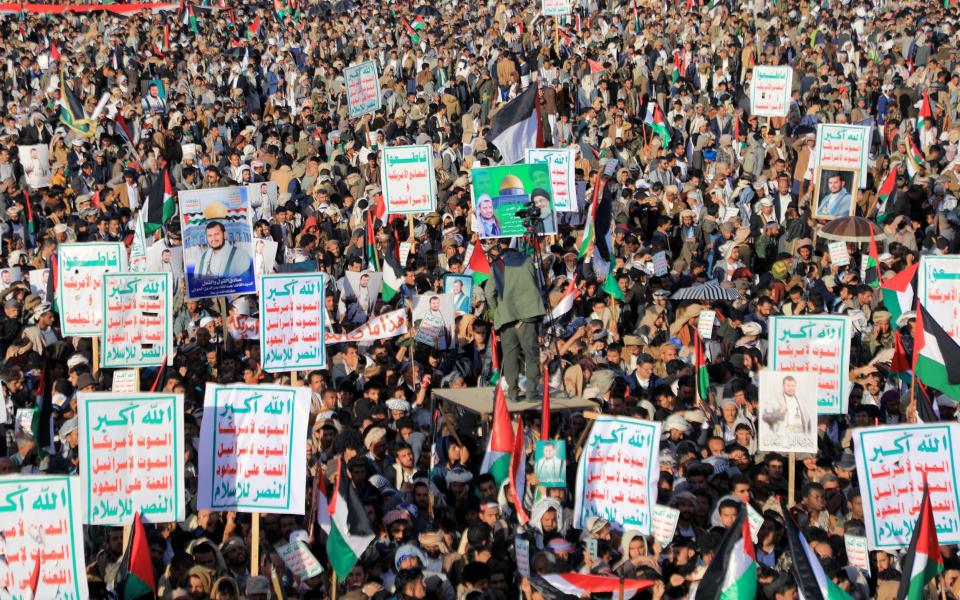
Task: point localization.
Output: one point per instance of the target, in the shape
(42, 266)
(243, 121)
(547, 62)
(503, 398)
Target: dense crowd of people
(222, 95)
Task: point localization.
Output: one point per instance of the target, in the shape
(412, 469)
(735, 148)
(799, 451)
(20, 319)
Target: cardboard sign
(770, 91)
(138, 328)
(80, 270)
(839, 255)
(788, 412)
(705, 323)
(554, 8)
(301, 562)
(664, 524)
(292, 322)
(938, 287)
(818, 344)
(126, 381)
(563, 179)
(500, 192)
(857, 553)
(844, 147)
(131, 455)
(363, 89)
(255, 438)
(408, 180)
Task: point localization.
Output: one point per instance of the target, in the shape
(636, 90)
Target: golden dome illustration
(511, 185)
(215, 210)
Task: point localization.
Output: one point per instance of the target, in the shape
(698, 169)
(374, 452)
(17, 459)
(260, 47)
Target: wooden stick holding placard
(583, 435)
(413, 240)
(333, 585)
(791, 479)
(96, 356)
(255, 545)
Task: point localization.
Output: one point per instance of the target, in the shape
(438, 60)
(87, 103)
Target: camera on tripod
(529, 213)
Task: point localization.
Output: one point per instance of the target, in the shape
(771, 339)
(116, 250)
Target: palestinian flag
(496, 461)
(922, 562)
(886, 193)
(703, 376)
(565, 304)
(900, 363)
(371, 245)
(914, 158)
(516, 126)
(595, 67)
(899, 291)
(812, 581)
(927, 409)
(657, 123)
(713, 5)
(872, 275)
(190, 19)
(495, 359)
(580, 585)
(612, 288)
(392, 272)
(933, 350)
(135, 578)
(590, 227)
(161, 203)
(732, 574)
(413, 29)
(926, 113)
(479, 265)
(30, 228)
(253, 28)
(72, 113)
(323, 507)
(55, 53)
(518, 473)
(350, 530)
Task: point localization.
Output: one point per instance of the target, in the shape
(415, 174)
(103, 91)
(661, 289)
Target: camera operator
(517, 305)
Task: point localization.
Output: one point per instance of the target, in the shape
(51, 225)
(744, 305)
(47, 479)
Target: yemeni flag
(657, 123)
(479, 265)
(872, 275)
(933, 350)
(703, 376)
(565, 304)
(350, 530)
(496, 461)
(72, 113)
(392, 273)
(371, 243)
(161, 203)
(135, 578)
(914, 158)
(922, 562)
(516, 126)
(518, 473)
(732, 574)
(579, 585)
(899, 291)
(886, 193)
(812, 581)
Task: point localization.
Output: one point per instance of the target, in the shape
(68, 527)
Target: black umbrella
(344, 6)
(426, 11)
(319, 8)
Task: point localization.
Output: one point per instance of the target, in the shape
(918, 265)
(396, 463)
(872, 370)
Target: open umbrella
(707, 291)
(320, 8)
(425, 11)
(344, 6)
(851, 229)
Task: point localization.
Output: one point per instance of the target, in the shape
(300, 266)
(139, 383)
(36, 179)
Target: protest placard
(255, 439)
(857, 554)
(756, 522)
(665, 521)
(788, 411)
(892, 463)
(126, 380)
(500, 192)
(301, 562)
(522, 548)
(408, 180)
(434, 316)
(563, 181)
(705, 323)
(138, 249)
(39, 279)
(385, 326)
(36, 165)
(844, 147)
(817, 344)
(839, 255)
(405, 253)
(660, 264)
(292, 322)
(41, 526)
(618, 473)
(938, 288)
(550, 463)
(363, 88)
(555, 8)
(131, 453)
(138, 325)
(80, 269)
(217, 242)
(770, 91)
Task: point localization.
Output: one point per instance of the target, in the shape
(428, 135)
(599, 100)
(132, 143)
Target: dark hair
(213, 224)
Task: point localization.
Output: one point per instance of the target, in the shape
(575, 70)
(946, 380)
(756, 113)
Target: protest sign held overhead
(131, 446)
(217, 242)
(137, 328)
(408, 179)
(255, 437)
(788, 411)
(80, 270)
(892, 464)
(938, 287)
(818, 344)
(499, 193)
(41, 529)
(363, 88)
(770, 91)
(563, 181)
(618, 473)
(385, 326)
(292, 322)
(844, 147)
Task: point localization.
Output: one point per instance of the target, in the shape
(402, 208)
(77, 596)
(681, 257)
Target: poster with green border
(40, 514)
(131, 457)
(500, 192)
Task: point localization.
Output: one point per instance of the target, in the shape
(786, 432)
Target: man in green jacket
(517, 305)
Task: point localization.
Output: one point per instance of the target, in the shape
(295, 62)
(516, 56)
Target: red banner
(59, 9)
